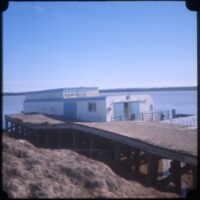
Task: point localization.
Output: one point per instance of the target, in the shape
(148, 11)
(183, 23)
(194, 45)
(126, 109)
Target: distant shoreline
(14, 93)
(149, 89)
(123, 90)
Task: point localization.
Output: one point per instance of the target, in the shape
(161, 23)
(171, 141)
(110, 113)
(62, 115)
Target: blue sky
(107, 44)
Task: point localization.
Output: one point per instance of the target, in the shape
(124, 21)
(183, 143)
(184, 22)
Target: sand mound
(30, 172)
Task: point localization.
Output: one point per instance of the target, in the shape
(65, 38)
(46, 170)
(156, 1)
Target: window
(92, 107)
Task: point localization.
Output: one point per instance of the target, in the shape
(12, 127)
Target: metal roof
(65, 89)
(76, 99)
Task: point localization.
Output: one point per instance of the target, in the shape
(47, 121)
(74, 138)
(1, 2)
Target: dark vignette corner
(192, 5)
(3, 5)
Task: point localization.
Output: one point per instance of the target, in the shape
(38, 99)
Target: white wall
(54, 108)
(84, 115)
(145, 102)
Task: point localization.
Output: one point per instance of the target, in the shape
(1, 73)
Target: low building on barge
(86, 104)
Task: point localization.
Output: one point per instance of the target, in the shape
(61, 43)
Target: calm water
(183, 101)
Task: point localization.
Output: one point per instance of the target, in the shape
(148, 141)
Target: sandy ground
(30, 172)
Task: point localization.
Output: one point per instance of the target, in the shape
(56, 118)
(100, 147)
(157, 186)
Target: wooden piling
(36, 136)
(75, 138)
(6, 125)
(59, 133)
(28, 136)
(46, 138)
(7, 128)
(194, 177)
(136, 162)
(11, 127)
(116, 152)
(24, 132)
(17, 129)
(176, 175)
(91, 145)
(152, 169)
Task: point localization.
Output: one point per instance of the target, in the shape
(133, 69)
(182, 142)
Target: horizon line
(108, 89)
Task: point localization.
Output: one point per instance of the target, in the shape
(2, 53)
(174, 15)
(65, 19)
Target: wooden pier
(130, 142)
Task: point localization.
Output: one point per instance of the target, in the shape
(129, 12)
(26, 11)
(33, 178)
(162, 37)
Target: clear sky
(105, 44)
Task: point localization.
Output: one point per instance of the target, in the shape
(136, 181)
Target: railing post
(173, 113)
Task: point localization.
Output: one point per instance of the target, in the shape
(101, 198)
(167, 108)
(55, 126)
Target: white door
(118, 114)
(135, 110)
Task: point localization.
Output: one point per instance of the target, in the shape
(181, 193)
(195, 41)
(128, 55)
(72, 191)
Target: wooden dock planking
(158, 141)
(36, 121)
(169, 141)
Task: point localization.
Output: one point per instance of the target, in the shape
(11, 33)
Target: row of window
(71, 95)
(78, 94)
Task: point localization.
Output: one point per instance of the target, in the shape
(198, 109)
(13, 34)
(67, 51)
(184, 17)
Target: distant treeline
(14, 93)
(123, 90)
(149, 89)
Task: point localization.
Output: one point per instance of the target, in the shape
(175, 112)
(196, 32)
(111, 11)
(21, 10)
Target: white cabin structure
(86, 104)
